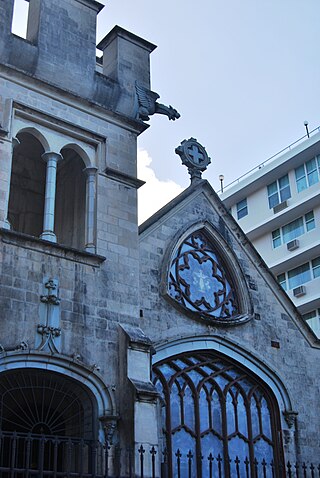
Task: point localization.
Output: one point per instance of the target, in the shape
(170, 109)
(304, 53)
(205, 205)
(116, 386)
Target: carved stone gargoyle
(148, 106)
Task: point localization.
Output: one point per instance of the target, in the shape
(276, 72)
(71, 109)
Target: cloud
(155, 193)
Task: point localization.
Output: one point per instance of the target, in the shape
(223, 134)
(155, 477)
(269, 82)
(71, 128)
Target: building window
(313, 320)
(281, 278)
(294, 229)
(276, 238)
(211, 407)
(308, 174)
(242, 208)
(279, 191)
(300, 275)
(316, 267)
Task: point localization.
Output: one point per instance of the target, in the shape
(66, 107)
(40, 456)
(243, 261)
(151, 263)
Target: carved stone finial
(148, 106)
(194, 156)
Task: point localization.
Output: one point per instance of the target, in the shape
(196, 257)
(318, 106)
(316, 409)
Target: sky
(243, 74)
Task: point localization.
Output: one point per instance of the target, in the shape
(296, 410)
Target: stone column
(91, 173)
(50, 195)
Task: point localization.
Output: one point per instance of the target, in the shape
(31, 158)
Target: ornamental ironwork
(199, 281)
(38, 402)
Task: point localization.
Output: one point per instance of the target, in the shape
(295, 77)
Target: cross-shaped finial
(194, 156)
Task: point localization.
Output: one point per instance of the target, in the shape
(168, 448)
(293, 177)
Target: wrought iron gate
(29, 455)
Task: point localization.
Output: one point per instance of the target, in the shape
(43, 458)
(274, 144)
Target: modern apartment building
(278, 206)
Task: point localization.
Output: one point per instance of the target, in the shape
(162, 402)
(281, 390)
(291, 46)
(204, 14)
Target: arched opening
(70, 200)
(27, 186)
(47, 422)
(218, 418)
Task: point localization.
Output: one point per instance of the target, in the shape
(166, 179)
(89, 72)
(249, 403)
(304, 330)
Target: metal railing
(41, 456)
(271, 158)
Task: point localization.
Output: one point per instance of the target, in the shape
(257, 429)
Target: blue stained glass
(199, 277)
(254, 418)
(195, 376)
(180, 363)
(198, 281)
(180, 380)
(159, 388)
(203, 417)
(242, 416)
(216, 413)
(211, 444)
(263, 451)
(221, 381)
(246, 385)
(183, 441)
(265, 418)
(208, 370)
(238, 448)
(166, 371)
(204, 407)
(175, 407)
(233, 373)
(231, 424)
(188, 403)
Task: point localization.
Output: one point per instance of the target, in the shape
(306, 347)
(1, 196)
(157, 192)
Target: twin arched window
(28, 193)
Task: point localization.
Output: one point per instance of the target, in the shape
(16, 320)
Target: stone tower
(68, 211)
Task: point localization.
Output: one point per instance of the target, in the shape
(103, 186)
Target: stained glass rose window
(199, 281)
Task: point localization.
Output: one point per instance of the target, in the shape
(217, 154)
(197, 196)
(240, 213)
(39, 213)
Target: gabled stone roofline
(252, 253)
(173, 203)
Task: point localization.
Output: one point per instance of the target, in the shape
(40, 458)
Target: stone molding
(50, 248)
(123, 178)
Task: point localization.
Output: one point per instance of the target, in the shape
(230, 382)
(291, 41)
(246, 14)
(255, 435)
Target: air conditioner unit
(280, 206)
(292, 245)
(299, 291)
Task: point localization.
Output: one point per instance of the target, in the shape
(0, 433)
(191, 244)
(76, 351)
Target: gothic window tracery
(213, 406)
(200, 282)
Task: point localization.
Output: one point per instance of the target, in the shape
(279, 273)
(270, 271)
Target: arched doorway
(218, 418)
(46, 422)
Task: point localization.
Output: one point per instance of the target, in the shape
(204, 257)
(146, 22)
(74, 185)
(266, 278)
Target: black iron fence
(40, 456)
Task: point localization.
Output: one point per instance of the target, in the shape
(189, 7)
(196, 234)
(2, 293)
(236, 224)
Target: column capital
(48, 155)
(90, 170)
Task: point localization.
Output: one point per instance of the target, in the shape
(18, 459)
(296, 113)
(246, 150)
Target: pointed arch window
(216, 411)
(200, 281)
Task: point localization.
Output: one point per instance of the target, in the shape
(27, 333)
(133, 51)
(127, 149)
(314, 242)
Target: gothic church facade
(174, 336)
